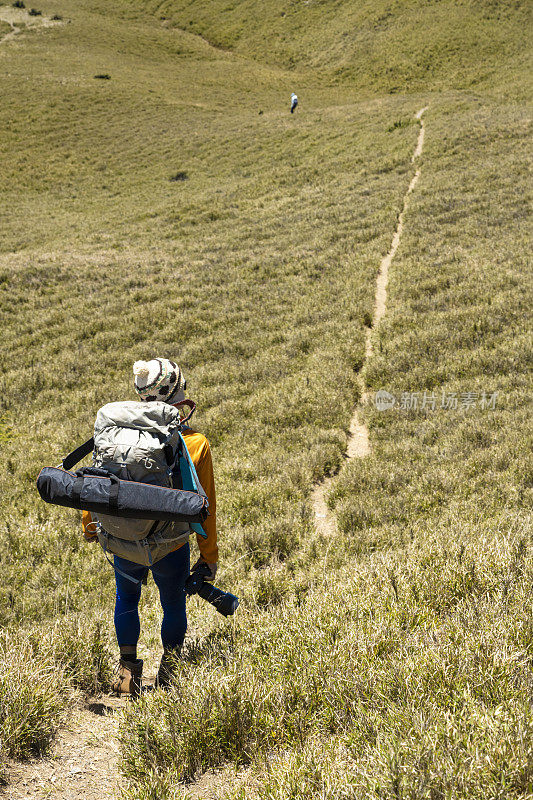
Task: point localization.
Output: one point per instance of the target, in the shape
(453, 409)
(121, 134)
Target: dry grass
(395, 659)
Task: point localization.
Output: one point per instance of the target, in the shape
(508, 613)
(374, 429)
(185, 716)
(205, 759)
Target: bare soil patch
(83, 765)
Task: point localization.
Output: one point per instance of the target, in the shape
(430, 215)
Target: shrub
(400, 123)
(40, 674)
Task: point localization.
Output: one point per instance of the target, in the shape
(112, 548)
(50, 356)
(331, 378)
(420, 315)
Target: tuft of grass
(84, 655)
(400, 123)
(42, 673)
(376, 661)
(34, 699)
(7, 431)
(181, 175)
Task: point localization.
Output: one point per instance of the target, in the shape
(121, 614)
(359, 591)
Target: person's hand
(213, 566)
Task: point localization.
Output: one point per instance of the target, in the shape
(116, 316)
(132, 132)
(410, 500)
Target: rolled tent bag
(92, 489)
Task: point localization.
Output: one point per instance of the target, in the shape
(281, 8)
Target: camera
(224, 602)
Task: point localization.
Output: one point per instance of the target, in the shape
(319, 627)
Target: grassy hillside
(176, 208)
(412, 649)
(374, 45)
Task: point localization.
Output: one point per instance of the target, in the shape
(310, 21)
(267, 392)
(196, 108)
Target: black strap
(77, 488)
(169, 454)
(177, 480)
(113, 491)
(79, 453)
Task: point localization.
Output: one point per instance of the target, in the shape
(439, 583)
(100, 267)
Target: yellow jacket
(200, 453)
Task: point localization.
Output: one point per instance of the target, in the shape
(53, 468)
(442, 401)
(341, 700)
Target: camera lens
(224, 602)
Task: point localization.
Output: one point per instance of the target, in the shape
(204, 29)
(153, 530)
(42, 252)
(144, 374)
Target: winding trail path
(15, 17)
(84, 764)
(358, 442)
(12, 33)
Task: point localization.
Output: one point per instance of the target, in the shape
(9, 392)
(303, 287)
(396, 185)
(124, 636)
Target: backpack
(142, 442)
(133, 442)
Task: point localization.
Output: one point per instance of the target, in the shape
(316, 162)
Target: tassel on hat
(159, 379)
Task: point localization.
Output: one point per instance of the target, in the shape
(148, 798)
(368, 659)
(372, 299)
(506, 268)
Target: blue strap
(195, 483)
(189, 480)
(197, 528)
(121, 572)
(112, 564)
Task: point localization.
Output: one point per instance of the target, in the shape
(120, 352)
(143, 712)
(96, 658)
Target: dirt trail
(358, 442)
(84, 762)
(11, 35)
(83, 765)
(16, 17)
(15, 30)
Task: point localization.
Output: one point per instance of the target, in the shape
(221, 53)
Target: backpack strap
(120, 571)
(77, 454)
(181, 404)
(194, 482)
(112, 564)
(189, 479)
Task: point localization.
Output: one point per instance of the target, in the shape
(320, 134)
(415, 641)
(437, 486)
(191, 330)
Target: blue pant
(170, 574)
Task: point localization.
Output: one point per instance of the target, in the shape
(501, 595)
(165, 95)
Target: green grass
(45, 669)
(376, 45)
(393, 660)
(396, 678)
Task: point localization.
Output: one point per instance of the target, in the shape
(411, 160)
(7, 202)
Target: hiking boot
(167, 669)
(129, 680)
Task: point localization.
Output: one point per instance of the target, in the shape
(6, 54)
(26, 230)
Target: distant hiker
(161, 380)
(294, 102)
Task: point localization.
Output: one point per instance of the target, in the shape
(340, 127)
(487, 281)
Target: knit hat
(159, 379)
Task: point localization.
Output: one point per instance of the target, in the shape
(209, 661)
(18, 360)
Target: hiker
(294, 102)
(161, 379)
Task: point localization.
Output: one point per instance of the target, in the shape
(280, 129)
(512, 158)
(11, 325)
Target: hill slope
(375, 45)
(178, 208)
